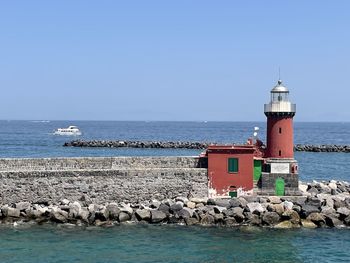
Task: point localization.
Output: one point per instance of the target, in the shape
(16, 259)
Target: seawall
(101, 179)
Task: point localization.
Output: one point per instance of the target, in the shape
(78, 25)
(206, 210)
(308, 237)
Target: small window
(232, 165)
(279, 153)
(280, 130)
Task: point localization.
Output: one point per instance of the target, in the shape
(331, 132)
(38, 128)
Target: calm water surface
(150, 243)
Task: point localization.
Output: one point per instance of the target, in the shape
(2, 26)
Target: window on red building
(232, 165)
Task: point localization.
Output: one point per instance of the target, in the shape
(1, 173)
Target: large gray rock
(292, 216)
(219, 218)
(164, 208)
(12, 212)
(333, 221)
(288, 205)
(274, 200)
(347, 221)
(191, 221)
(235, 202)
(243, 201)
(343, 211)
(64, 201)
(317, 218)
(238, 214)
(93, 208)
(308, 209)
(126, 209)
(143, 214)
(102, 215)
(270, 218)
(185, 213)
(329, 202)
(182, 199)
(59, 216)
(123, 217)
(84, 214)
(230, 222)
(313, 191)
(254, 219)
(155, 204)
(314, 201)
(207, 220)
(112, 211)
(256, 208)
(308, 223)
(327, 210)
(191, 205)
(22, 206)
(223, 202)
(278, 208)
(332, 186)
(228, 212)
(338, 202)
(176, 207)
(199, 200)
(157, 216)
(39, 212)
(325, 188)
(74, 209)
(219, 209)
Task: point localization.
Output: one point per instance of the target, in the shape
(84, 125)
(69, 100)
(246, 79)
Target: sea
(165, 243)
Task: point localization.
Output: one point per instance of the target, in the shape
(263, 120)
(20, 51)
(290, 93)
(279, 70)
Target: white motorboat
(71, 130)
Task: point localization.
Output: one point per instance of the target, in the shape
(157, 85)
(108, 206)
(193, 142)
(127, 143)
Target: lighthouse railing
(280, 107)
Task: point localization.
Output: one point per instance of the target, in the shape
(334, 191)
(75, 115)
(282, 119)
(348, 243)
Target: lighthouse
(280, 171)
(279, 112)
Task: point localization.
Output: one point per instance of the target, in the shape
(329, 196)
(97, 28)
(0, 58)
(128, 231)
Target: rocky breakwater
(190, 145)
(137, 144)
(322, 148)
(322, 205)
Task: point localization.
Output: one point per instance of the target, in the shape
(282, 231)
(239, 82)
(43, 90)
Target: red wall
(219, 177)
(277, 141)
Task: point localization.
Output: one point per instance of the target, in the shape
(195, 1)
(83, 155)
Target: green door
(257, 170)
(279, 187)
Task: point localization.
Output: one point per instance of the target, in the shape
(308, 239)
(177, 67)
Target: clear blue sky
(172, 60)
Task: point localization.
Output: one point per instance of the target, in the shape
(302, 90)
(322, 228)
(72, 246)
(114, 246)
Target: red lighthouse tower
(280, 112)
(280, 175)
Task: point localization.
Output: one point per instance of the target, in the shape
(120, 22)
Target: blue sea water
(172, 243)
(132, 243)
(36, 139)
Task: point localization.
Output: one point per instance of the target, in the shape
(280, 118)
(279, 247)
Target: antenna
(279, 73)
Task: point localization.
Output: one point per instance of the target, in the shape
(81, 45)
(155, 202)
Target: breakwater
(138, 144)
(191, 145)
(100, 180)
(114, 190)
(323, 204)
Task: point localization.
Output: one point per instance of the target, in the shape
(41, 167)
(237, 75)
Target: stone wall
(97, 163)
(100, 180)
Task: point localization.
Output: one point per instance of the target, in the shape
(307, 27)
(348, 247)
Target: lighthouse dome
(280, 88)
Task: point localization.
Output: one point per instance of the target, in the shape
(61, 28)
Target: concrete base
(267, 184)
